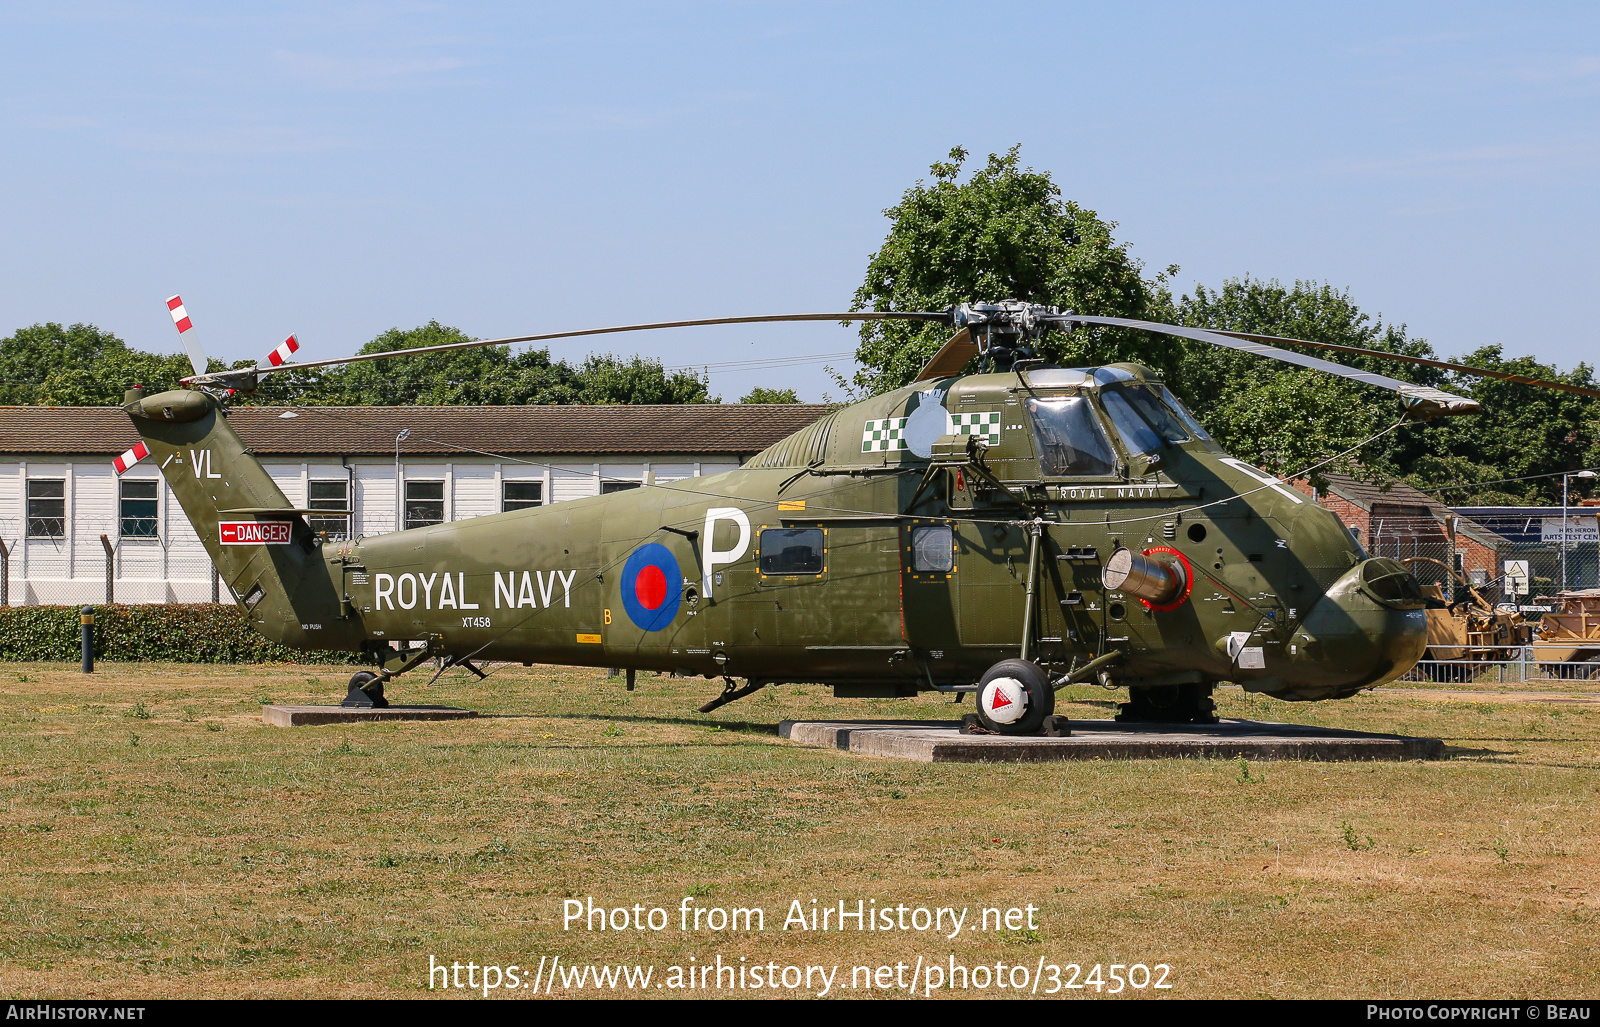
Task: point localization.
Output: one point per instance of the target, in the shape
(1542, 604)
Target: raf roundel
(652, 586)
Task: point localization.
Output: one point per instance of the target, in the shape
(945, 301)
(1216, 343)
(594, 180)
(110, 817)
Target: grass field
(158, 840)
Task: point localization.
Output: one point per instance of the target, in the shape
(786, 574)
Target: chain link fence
(73, 570)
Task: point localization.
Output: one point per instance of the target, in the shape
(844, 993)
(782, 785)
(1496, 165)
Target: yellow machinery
(1569, 638)
(1471, 628)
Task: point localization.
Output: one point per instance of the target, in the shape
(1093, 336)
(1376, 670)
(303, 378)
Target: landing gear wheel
(1014, 698)
(1169, 704)
(366, 691)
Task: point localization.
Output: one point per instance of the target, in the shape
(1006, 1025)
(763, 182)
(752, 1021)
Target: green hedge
(169, 632)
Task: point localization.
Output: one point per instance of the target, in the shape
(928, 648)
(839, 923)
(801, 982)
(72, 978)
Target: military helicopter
(1006, 532)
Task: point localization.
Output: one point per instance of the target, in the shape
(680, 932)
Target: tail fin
(258, 541)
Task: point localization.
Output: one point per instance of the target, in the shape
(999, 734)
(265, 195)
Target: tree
(1525, 432)
(1279, 416)
(46, 364)
(760, 394)
(487, 375)
(1006, 233)
(604, 378)
(1003, 234)
(1286, 419)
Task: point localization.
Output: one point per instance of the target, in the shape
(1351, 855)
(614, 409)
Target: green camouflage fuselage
(723, 576)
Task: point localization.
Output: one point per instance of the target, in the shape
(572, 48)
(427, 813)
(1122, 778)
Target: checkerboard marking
(883, 435)
(981, 422)
(889, 433)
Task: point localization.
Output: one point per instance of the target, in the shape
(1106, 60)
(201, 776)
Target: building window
(330, 495)
(47, 508)
(138, 509)
(521, 495)
(608, 487)
(424, 503)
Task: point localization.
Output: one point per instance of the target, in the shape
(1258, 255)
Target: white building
(390, 466)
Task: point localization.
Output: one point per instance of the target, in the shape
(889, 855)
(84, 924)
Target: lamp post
(1565, 479)
(399, 497)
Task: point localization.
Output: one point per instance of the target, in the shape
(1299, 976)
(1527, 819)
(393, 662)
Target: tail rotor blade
(185, 326)
(286, 349)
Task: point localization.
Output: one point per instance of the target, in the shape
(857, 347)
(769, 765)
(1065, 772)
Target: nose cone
(1370, 627)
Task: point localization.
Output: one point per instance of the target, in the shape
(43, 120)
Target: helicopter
(1005, 532)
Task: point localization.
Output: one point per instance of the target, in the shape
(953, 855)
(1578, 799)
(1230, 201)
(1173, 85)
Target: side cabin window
(933, 549)
(792, 551)
(1069, 437)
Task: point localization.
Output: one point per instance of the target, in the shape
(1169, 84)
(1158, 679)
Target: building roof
(688, 428)
(1366, 495)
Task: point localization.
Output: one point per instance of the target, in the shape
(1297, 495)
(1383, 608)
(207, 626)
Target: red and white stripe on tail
(285, 350)
(131, 457)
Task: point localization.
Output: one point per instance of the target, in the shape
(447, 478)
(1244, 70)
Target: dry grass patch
(157, 839)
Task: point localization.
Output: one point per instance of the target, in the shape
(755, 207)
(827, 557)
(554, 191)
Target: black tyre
(366, 689)
(1017, 683)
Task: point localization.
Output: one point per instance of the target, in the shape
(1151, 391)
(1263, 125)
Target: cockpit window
(1136, 435)
(1160, 409)
(1148, 402)
(1069, 437)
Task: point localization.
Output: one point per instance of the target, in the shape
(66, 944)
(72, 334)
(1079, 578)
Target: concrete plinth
(942, 742)
(304, 716)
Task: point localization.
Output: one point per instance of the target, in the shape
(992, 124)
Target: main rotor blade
(1419, 361)
(858, 315)
(1419, 400)
(951, 358)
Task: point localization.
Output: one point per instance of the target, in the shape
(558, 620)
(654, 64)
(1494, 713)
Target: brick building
(1397, 521)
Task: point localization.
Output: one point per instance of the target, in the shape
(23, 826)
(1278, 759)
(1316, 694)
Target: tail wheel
(1014, 698)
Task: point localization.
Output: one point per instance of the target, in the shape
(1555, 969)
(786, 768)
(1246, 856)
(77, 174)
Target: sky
(337, 169)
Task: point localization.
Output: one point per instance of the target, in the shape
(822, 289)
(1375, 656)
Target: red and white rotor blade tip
(131, 457)
(185, 326)
(286, 349)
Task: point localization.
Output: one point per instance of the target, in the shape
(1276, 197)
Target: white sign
(1580, 528)
(1517, 577)
(254, 533)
